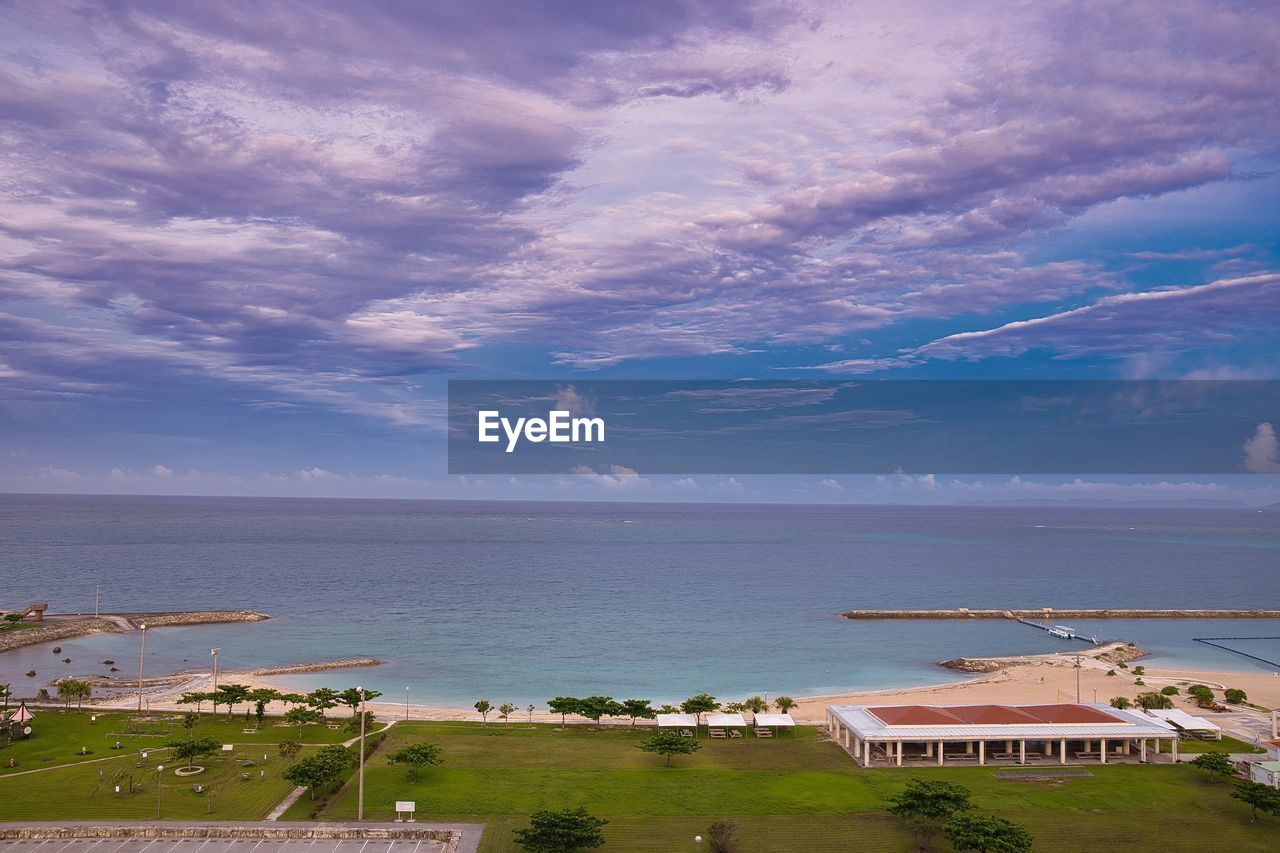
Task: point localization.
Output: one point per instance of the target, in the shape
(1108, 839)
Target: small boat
(1063, 631)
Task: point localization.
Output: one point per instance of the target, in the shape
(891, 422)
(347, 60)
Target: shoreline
(1017, 679)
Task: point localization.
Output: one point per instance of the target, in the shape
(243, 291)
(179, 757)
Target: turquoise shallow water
(521, 602)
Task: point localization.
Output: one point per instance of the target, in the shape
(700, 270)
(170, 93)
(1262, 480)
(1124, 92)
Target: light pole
(697, 841)
(159, 787)
(1077, 679)
(214, 653)
(96, 590)
(360, 797)
(406, 702)
(141, 663)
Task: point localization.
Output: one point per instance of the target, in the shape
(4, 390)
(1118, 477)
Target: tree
(756, 705)
(189, 720)
(698, 705)
(199, 699)
(351, 698)
(563, 705)
(1121, 702)
(352, 725)
(260, 699)
(987, 833)
(320, 768)
(5, 693)
(638, 708)
(300, 716)
(595, 707)
(416, 756)
(1258, 796)
(530, 708)
(1139, 670)
(322, 699)
(722, 837)
(927, 805)
(1215, 763)
(191, 749)
(561, 831)
(669, 744)
(289, 749)
(1235, 696)
(1200, 693)
(484, 706)
(784, 704)
(1169, 690)
(73, 690)
(1154, 701)
(231, 695)
(505, 710)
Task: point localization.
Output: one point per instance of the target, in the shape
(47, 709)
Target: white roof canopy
(677, 721)
(1183, 720)
(716, 720)
(770, 720)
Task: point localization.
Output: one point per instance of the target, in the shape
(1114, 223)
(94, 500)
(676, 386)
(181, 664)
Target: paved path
(468, 842)
(297, 793)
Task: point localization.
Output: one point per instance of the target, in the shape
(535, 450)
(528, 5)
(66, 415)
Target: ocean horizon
(524, 601)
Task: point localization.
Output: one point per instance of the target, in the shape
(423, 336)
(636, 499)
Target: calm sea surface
(521, 602)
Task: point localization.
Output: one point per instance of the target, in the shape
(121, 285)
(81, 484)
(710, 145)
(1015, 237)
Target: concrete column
(866, 753)
(968, 747)
(1102, 750)
(1022, 752)
(1124, 746)
(1175, 750)
(847, 735)
(928, 749)
(1156, 741)
(899, 753)
(1062, 750)
(982, 752)
(1008, 746)
(942, 749)
(1142, 750)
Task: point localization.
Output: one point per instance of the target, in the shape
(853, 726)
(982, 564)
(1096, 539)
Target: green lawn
(1227, 744)
(87, 791)
(778, 790)
(59, 736)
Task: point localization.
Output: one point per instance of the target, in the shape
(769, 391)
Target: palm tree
(784, 704)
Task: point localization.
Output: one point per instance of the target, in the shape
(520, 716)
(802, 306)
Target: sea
(519, 602)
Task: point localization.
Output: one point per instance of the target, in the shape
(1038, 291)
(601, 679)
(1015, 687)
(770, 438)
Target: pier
(1050, 613)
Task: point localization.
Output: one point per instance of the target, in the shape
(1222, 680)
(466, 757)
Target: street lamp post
(159, 787)
(214, 653)
(1077, 679)
(406, 702)
(360, 796)
(96, 590)
(142, 652)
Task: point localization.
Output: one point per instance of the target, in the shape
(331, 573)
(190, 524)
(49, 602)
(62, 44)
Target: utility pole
(214, 653)
(142, 653)
(406, 702)
(360, 796)
(96, 590)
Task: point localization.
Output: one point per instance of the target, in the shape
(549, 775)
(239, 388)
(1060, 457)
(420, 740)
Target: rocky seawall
(56, 628)
(1051, 613)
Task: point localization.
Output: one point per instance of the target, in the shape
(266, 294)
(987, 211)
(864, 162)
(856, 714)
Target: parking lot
(470, 839)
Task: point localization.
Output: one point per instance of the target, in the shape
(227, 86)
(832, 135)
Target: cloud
(1262, 451)
(316, 207)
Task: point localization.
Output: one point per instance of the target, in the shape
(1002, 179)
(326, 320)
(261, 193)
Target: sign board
(228, 747)
(403, 808)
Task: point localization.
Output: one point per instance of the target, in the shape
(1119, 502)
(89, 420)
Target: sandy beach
(1022, 679)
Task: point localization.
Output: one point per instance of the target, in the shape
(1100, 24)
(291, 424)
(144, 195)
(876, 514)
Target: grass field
(59, 737)
(1227, 744)
(86, 789)
(778, 791)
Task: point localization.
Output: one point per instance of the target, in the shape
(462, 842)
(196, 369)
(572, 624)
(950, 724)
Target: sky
(244, 246)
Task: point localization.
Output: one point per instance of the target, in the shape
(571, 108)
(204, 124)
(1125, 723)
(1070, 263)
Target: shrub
(722, 837)
(1154, 701)
(1169, 690)
(1235, 696)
